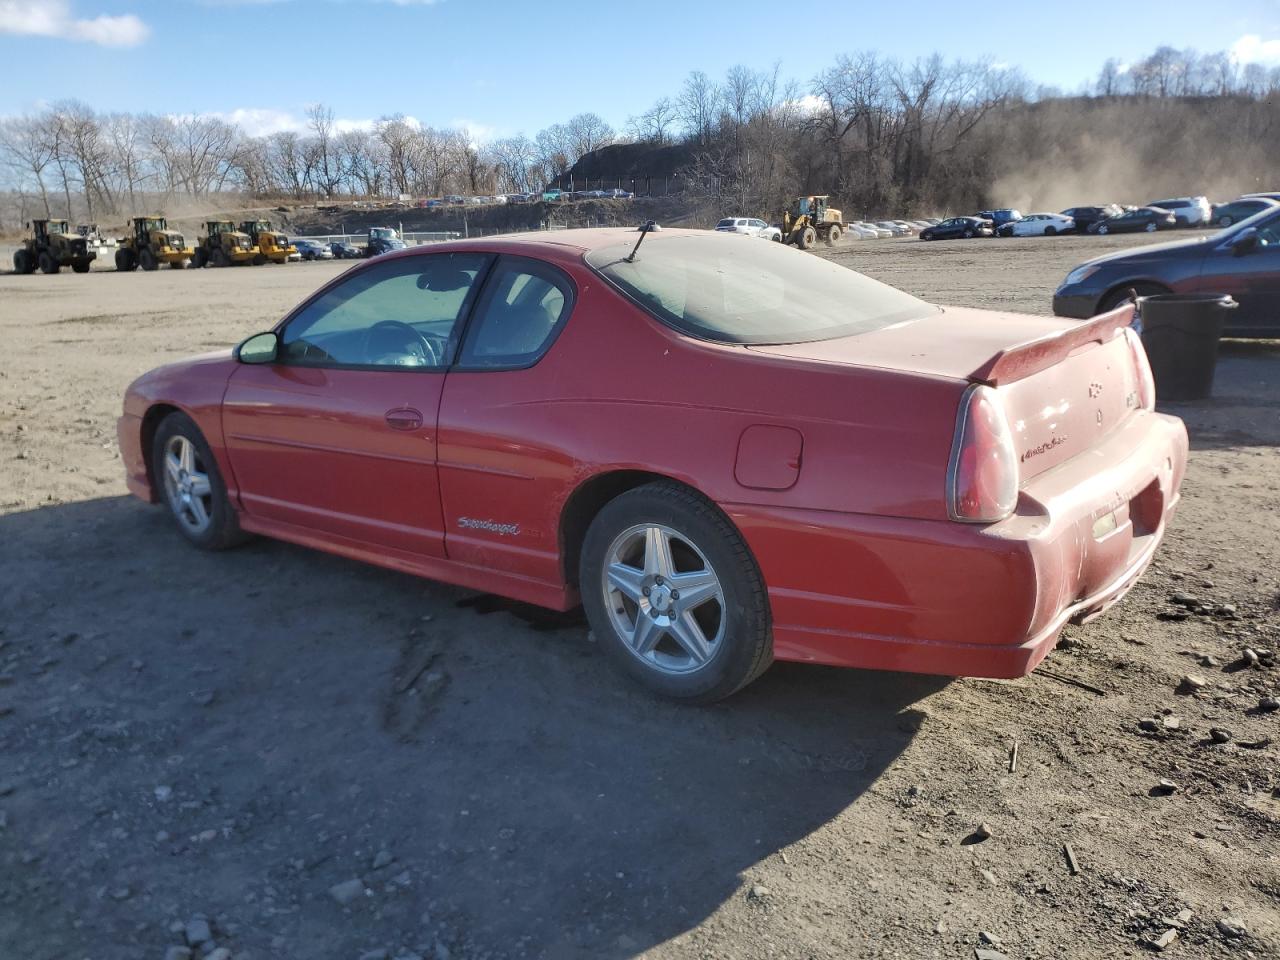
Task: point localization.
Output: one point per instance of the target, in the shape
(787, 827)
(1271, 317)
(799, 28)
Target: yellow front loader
(152, 244)
(224, 245)
(810, 218)
(272, 244)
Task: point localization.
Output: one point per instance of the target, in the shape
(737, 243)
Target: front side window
(524, 305)
(708, 287)
(398, 314)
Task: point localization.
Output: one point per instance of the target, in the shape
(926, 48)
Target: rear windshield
(710, 286)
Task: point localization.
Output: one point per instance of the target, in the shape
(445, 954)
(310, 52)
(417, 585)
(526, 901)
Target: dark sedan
(342, 250)
(1225, 214)
(956, 228)
(1086, 217)
(1137, 220)
(1242, 260)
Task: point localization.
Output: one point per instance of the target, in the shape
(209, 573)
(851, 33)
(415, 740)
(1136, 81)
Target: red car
(727, 452)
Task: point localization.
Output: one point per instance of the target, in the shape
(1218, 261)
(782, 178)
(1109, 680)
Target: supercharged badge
(490, 526)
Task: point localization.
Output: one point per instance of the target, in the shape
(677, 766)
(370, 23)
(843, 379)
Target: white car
(881, 233)
(750, 226)
(858, 231)
(1187, 211)
(907, 225)
(1038, 225)
(895, 229)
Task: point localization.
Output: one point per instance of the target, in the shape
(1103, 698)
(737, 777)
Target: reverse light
(982, 476)
(1141, 369)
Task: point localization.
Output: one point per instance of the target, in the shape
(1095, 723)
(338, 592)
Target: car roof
(553, 244)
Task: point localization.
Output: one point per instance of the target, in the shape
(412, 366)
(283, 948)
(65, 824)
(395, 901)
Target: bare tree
(695, 106)
(28, 150)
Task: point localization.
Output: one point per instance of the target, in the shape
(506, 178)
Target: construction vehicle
(51, 247)
(151, 244)
(272, 244)
(94, 237)
(222, 245)
(810, 218)
(382, 240)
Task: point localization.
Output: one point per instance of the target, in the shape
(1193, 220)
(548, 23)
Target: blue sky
(502, 67)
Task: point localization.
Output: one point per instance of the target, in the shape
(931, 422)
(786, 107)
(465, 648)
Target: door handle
(404, 418)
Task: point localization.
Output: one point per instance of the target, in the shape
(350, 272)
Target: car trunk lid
(1064, 384)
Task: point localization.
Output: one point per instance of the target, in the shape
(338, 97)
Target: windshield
(382, 233)
(56, 226)
(711, 287)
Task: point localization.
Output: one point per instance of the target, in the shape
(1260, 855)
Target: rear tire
(48, 264)
(1103, 230)
(22, 262)
(1151, 228)
(808, 237)
(968, 234)
(1050, 231)
(192, 488)
(694, 654)
(124, 261)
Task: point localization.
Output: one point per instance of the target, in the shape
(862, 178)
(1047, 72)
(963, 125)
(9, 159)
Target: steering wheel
(413, 342)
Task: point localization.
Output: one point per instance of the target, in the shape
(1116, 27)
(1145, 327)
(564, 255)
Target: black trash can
(1180, 332)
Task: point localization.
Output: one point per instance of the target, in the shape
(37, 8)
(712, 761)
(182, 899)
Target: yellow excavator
(222, 245)
(152, 244)
(272, 244)
(51, 247)
(809, 218)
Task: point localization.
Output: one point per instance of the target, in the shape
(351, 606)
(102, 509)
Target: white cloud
(264, 121)
(55, 18)
(1251, 48)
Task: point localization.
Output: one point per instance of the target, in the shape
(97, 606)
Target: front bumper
(1079, 306)
(136, 477)
(949, 598)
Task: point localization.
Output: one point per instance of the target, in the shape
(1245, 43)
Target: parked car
(382, 240)
(956, 228)
(1001, 216)
(455, 200)
(312, 250)
(1243, 260)
(1225, 214)
(750, 226)
(342, 250)
(1085, 217)
(435, 203)
(619, 194)
(895, 229)
(1187, 211)
(1037, 225)
(861, 231)
(1138, 219)
(520, 457)
(879, 233)
(520, 197)
(552, 194)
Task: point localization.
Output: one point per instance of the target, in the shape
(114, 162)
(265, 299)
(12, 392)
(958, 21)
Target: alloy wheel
(186, 484)
(664, 598)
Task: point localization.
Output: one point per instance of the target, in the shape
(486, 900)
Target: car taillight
(982, 477)
(1141, 369)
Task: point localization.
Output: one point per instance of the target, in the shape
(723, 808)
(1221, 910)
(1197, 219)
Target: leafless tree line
(877, 133)
(70, 159)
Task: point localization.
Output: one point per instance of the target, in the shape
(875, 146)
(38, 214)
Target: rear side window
(522, 308)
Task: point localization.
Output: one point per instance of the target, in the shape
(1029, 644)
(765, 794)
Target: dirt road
(288, 755)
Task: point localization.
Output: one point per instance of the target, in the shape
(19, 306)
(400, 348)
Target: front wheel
(1050, 231)
(48, 264)
(808, 237)
(1103, 230)
(260, 259)
(148, 260)
(184, 467)
(834, 234)
(968, 234)
(674, 595)
(1150, 228)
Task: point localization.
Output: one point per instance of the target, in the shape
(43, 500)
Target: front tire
(48, 264)
(1151, 228)
(22, 262)
(125, 261)
(1050, 231)
(148, 260)
(674, 595)
(834, 235)
(968, 234)
(1103, 230)
(1121, 295)
(187, 478)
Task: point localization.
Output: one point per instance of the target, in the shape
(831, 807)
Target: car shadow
(312, 711)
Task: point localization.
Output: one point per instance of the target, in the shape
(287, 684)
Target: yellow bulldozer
(224, 245)
(51, 247)
(151, 244)
(810, 218)
(272, 244)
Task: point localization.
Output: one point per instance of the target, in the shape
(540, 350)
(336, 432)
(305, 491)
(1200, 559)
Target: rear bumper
(948, 598)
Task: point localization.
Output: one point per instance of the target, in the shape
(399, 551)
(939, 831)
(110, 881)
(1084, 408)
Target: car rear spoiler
(1026, 359)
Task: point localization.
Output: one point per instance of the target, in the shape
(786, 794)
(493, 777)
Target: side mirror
(260, 348)
(1247, 242)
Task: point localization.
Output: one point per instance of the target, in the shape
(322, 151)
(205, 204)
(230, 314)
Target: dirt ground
(281, 754)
